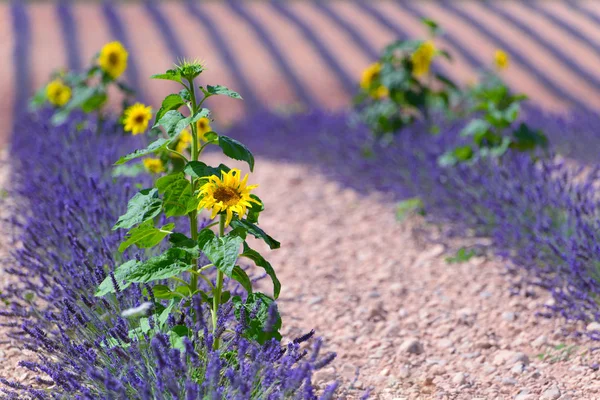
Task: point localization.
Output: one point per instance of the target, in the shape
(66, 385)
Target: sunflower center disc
(227, 195)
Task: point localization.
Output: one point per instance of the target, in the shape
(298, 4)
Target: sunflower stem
(218, 288)
(194, 214)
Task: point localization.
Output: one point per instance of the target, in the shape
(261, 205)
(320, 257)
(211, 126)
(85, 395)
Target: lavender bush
(542, 215)
(63, 206)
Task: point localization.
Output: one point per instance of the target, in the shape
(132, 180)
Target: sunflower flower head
(227, 194)
(58, 93)
(113, 59)
(185, 139)
(154, 165)
(189, 69)
(501, 59)
(421, 58)
(203, 127)
(370, 75)
(136, 118)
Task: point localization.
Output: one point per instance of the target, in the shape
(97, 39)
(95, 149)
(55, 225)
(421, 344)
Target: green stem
(218, 288)
(194, 214)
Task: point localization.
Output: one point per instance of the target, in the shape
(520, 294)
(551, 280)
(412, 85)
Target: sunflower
(501, 59)
(226, 194)
(58, 93)
(154, 165)
(370, 75)
(113, 59)
(203, 127)
(421, 58)
(185, 139)
(136, 118)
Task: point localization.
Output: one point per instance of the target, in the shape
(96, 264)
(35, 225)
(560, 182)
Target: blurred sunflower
(185, 139)
(113, 59)
(154, 165)
(501, 59)
(58, 93)
(136, 118)
(226, 194)
(203, 127)
(421, 58)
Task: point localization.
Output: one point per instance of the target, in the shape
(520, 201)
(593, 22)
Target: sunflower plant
(196, 263)
(493, 128)
(87, 90)
(401, 87)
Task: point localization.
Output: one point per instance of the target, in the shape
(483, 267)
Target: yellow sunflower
(58, 93)
(185, 139)
(422, 57)
(154, 165)
(226, 194)
(501, 59)
(113, 59)
(203, 127)
(370, 75)
(136, 118)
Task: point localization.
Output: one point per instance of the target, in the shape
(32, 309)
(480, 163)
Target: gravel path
(401, 318)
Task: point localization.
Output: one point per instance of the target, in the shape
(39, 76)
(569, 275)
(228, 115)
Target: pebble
(509, 316)
(552, 393)
(324, 375)
(509, 381)
(539, 341)
(459, 378)
(518, 369)
(411, 346)
(593, 326)
(404, 372)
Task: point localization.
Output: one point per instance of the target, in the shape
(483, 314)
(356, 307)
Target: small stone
(404, 372)
(539, 341)
(437, 369)
(535, 374)
(444, 343)
(502, 356)
(519, 358)
(348, 371)
(525, 396)
(384, 372)
(509, 381)
(459, 378)
(552, 393)
(593, 326)
(509, 316)
(315, 300)
(411, 346)
(518, 369)
(324, 375)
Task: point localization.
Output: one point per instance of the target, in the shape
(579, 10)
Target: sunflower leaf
(171, 102)
(256, 232)
(143, 206)
(219, 89)
(170, 75)
(145, 235)
(198, 169)
(222, 251)
(177, 193)
(236, 150)
(255, 210)
(262, 327)
(171, 263)
(153, 147)
(239, 275)
(262, 263)
(120, 273)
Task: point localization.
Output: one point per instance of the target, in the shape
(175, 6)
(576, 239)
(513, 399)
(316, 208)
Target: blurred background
(299, 54)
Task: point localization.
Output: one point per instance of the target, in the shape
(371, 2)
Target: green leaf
(180, 241)
(239, 275)
(143, 206)
(177, 194)
(433, 26)
(528, 139)
(262, 263)
(409, 207)
(463, 153)
(146, 235)
(171, 263)
(174, 122)
(222, 251)
(170, 75)
(162, 292)
(120, 273)
(129, 171)
(234, 149)
(462, 255)
(255, 210)
(475, 127)
(219, 89)
(198, 169)
(258, 304)
(164, 315)
(256, 232)
(38, 99)
(153, 147)
(95, 101)
(171, 102)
